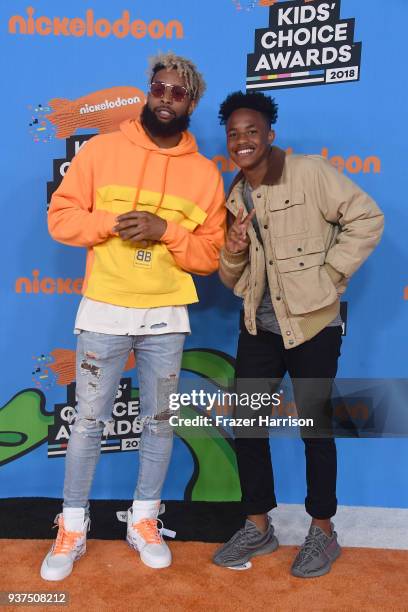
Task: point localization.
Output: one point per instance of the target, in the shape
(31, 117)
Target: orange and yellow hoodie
(123, 171)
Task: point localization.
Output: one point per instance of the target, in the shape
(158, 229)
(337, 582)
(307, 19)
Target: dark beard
(159, 129)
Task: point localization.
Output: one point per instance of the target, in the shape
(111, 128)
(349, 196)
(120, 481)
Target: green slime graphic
(23, 424)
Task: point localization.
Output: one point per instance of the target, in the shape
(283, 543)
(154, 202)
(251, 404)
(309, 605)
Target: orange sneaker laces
(66, 540)
(148, 529)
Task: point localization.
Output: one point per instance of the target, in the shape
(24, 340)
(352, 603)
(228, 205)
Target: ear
(271, 136)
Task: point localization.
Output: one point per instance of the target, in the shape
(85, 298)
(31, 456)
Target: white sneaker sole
(55, 574)
(154, 564)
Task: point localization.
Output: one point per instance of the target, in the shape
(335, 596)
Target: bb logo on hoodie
(143, 258)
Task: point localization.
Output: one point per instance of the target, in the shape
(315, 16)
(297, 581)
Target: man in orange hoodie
(150, 210)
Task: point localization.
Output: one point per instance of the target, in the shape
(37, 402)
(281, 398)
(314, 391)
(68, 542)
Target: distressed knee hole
(163, 416)
(91, 368)
(87, 425)
(83, 425)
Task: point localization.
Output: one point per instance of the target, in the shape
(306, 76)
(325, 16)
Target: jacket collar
(276, 162)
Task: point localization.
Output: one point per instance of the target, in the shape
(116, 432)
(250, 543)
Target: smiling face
(248, 138)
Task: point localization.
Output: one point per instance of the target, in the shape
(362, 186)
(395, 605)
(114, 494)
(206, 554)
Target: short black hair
(256, 101)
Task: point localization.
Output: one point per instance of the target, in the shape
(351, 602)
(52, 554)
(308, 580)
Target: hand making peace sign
(237, 237)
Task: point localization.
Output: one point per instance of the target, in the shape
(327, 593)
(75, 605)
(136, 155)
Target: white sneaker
(145, 537)
(67, 548)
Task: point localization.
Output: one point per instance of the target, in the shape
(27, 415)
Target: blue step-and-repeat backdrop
(336, 69)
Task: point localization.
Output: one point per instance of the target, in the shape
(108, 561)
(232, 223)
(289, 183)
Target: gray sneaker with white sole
(317, 554)
(246, 543)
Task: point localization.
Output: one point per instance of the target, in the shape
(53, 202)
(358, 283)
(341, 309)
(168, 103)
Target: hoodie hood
(133, 130)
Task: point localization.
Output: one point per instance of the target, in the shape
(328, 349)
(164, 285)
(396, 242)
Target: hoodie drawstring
(140, 181)
(163, 186)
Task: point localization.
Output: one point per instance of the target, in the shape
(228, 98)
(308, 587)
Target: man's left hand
(137, 226)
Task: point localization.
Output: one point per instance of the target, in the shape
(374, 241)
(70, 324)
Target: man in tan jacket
(298, 231)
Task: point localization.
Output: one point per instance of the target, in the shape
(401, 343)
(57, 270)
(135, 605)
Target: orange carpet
(111, 577)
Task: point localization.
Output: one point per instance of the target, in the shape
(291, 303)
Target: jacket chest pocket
(287, 214)
(306, 284)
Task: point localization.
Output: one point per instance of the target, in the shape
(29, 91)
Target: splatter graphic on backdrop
(40, 129)
(42, 375)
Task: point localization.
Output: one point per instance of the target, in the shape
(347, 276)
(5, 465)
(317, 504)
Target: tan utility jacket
(317, 228)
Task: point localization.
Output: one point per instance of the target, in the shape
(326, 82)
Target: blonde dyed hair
(185, 68)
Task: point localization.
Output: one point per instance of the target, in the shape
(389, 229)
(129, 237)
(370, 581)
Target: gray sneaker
(317, 554)
(244, 544)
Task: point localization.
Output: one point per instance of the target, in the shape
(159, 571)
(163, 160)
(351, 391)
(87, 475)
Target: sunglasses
(177, 92)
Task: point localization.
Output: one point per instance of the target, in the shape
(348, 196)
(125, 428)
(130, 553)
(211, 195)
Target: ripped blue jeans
(100, 361)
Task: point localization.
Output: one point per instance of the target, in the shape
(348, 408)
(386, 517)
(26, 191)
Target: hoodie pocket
(306, 284)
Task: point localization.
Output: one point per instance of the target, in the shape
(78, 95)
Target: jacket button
(301, 263)
(256, 248)
(300, 249)
(265, 227)
(286, 201)
(270, 262)
(278, 297)
(288, 333)
(259, 195)
(291, 342)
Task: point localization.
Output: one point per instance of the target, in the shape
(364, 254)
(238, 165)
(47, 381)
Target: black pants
(264, 356)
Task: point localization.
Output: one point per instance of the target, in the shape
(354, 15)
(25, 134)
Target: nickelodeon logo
(48, 285)
(104, 110)
(88, 26)
(353, 164)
